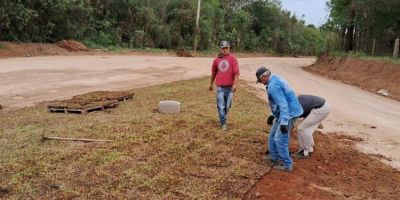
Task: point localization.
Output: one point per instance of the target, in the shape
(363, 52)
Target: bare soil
(354, 112)
(185, 156)
(12, 49)
(335, 171)
(65, 48)
(369, 75)
(370, 119)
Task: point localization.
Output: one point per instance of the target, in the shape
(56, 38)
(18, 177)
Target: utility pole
(396, 48)
(197, 30)
(373, 47)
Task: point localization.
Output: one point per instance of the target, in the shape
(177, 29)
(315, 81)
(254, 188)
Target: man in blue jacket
(285, 108)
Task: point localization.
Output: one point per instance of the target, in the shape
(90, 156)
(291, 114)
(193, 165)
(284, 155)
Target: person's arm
(279, 98)
(235, 80)
(214, 70)
(211, 86)
(236, 74)
(273, 106)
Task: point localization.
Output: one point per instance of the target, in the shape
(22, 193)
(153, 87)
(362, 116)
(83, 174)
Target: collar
(269, 80)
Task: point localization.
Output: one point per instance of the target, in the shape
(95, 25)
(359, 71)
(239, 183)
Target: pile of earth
(183, 53)
(72, 45)
(91, 100)
(15, 49)
(366, 74)
(336, 170)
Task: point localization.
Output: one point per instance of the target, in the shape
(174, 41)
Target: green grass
(152, 156)
(2, 46)
(121, 49)
(361, 55)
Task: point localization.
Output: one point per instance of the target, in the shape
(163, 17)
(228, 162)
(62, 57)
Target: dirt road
(26, 81)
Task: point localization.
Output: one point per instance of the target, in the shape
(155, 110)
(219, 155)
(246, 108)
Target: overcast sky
(315, 11)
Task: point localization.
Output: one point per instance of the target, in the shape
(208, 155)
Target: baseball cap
(261, 72)
(224, 44)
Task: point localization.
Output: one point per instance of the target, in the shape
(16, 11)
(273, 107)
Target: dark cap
(261, 72)
(224, 44)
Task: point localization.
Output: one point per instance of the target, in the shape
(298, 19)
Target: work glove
(284, 129)
(270, 120)
(220, 55)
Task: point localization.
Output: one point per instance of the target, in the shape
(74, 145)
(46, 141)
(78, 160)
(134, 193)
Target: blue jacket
(282, 100)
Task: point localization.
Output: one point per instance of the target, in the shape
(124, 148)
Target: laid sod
(152, 156)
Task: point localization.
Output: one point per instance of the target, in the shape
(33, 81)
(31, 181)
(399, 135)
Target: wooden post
(396, 48)
(373, 47)
(197, 30)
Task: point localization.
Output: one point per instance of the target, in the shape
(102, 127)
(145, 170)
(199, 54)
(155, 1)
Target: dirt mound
(14, 49)
(183, 53)
(91, 100)
(335, 171)
(369, 75)
(72, 45)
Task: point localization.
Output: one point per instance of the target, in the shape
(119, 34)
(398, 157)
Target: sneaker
(300, 156)
(224, 127)
(282, 168)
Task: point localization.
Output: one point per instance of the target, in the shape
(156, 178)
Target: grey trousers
(308, 126)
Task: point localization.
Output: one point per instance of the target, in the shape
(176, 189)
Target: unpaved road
(26, 81)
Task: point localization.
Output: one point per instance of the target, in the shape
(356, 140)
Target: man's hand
(211, 87)
(284, 129)
(233, 88)
(270, 120)
(220, 55)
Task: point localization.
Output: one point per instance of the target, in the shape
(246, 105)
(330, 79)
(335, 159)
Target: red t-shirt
(225, 69)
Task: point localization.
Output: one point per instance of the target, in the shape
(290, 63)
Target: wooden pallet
(77, 111)
(88, 110)
(124, 98)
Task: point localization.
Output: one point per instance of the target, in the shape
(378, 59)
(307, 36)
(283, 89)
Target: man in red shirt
(225, 73)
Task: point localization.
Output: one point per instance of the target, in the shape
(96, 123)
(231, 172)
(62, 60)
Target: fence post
(396, 48)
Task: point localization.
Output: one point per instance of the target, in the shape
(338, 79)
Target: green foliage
(359, 22)
(250, 25)
(2, 46)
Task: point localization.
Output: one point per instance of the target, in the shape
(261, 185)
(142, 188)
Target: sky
(315, 11)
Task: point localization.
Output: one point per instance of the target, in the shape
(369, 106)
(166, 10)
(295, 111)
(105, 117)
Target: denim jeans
(224, 102)
(278, 143)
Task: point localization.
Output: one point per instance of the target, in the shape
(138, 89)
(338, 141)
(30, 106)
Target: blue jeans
(224, 102)
(278, 143)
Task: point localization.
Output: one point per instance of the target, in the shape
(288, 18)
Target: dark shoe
(269, 159)
(274, 162)
(282, 168)
(300, 151)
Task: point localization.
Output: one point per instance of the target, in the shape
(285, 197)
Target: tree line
(367, 26)
(250, 25)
